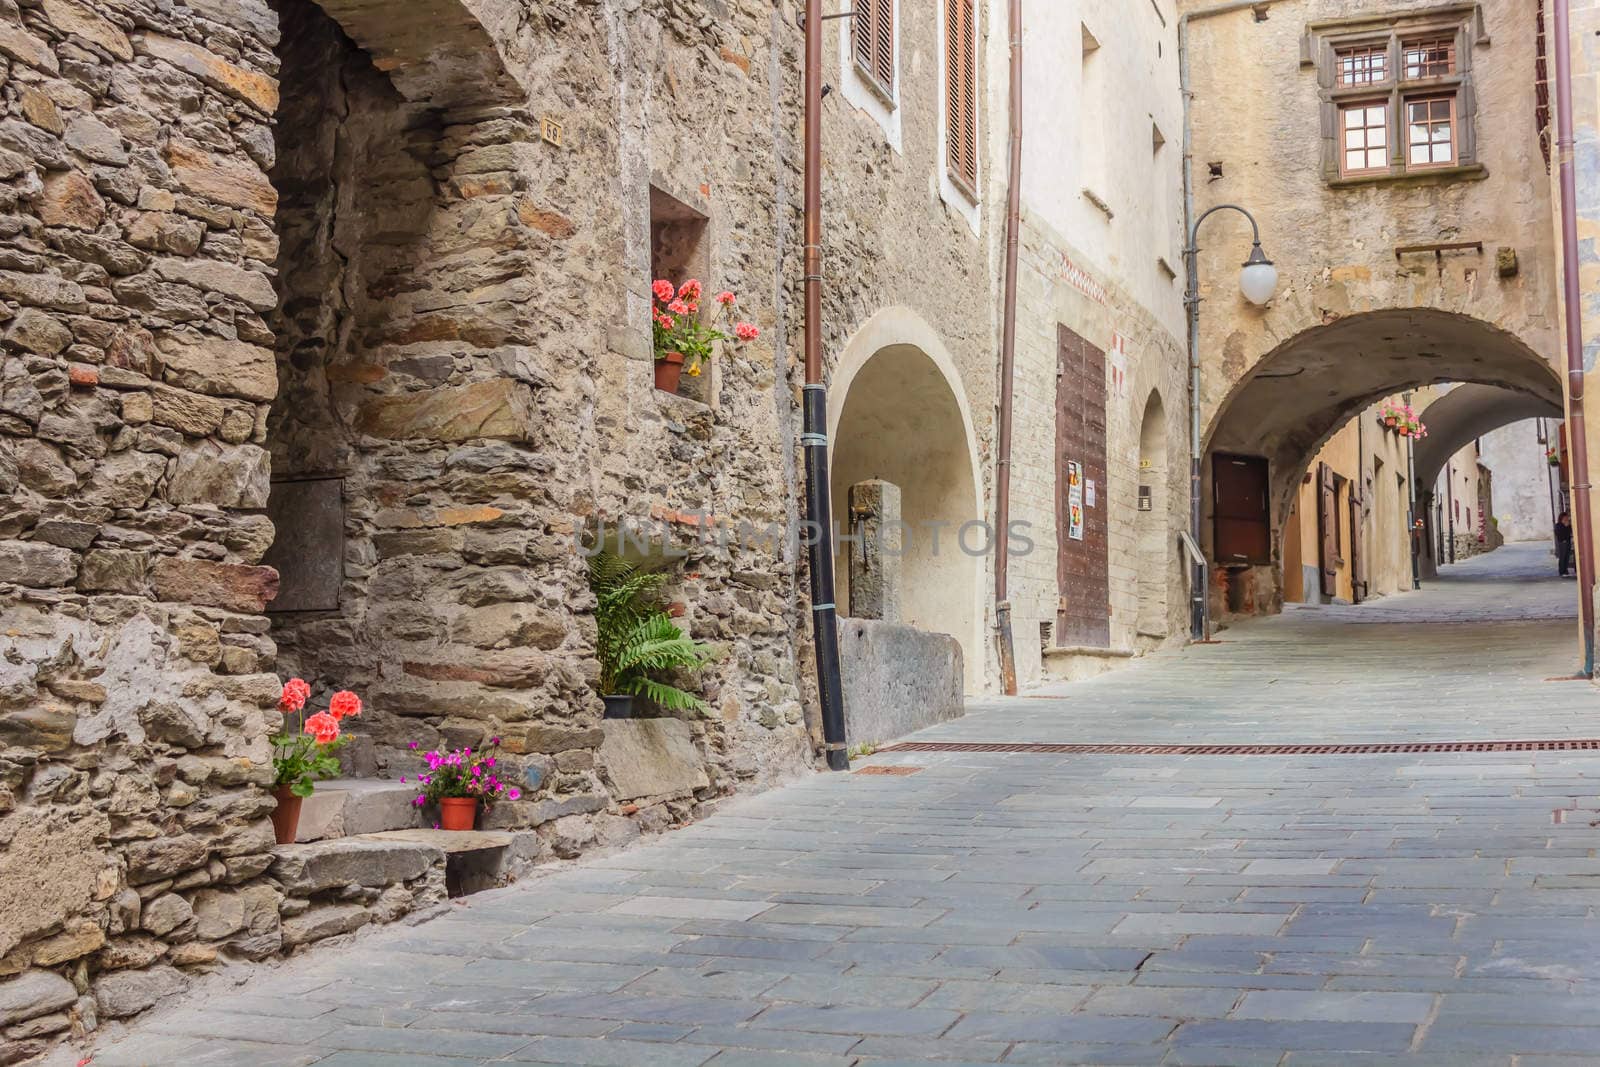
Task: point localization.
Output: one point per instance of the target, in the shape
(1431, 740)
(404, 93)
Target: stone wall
(257, 290)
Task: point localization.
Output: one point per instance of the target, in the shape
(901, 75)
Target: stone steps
(459, 861)
(350, 807)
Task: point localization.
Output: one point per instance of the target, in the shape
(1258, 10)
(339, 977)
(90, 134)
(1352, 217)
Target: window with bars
(872, 42)
(1367, 65)
(1429, 58)
(1397, 94)
(961, 94)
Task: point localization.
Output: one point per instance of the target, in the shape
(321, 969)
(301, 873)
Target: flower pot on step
(668, 369)
(618, 705)
(286, 816)
(458, 813)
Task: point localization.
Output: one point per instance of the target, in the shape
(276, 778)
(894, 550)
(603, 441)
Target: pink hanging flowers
(678, 330)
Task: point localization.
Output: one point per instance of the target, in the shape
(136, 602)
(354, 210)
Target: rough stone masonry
(250, 248)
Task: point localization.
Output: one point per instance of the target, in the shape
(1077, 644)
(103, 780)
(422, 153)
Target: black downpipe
(819, 540)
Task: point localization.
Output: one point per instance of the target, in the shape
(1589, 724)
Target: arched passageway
(1296, 397)
(900, 420)
(1156, 555)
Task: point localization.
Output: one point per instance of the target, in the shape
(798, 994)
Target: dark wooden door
(1083, 612)
(1241, 524)
(1328, 528)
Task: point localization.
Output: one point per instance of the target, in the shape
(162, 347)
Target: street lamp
(1258, 280)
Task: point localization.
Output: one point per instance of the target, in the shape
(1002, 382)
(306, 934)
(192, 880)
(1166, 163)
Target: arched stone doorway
(1150, 522)
(1299, 394)
(898, 415)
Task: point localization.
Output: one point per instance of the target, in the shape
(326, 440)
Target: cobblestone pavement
(1320, 910)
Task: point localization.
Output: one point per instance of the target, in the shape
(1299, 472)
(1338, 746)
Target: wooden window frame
(961, 95)
(1367, 51)
(1461, 25)
(874, 42)
(1347, 171)
(1454, 123)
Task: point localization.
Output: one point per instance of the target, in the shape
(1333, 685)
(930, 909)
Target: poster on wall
(1117, 366)
(1075, 500)
(1088, 493)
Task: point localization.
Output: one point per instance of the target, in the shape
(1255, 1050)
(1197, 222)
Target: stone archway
(1469, 411)
(1296, 396)
(1156, 552)
(897, 413)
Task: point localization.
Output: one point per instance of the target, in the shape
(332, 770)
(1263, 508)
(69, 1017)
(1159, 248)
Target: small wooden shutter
(1328, 527)
(961, 91)
(1241, 516)
(873, 41)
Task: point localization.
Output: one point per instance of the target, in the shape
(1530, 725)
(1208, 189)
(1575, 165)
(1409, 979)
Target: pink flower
(662, 288)
(323, 727)
(678, 307)
(421, 800)
(726, 298)
(666, 321)
(412, 745)
(690, 291)
(402, 779)
(745, 331)
(489, 762)
(514, 793)
(295, 694)
(494, 740)
(345, 704)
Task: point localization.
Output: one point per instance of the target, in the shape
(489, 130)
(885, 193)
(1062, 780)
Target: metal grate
(1375, 749)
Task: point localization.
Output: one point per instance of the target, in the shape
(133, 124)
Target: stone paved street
(1021, 908)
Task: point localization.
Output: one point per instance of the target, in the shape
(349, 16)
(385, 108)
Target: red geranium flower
(344, 704)
(295, 694)
(662, 288)
(324, 727)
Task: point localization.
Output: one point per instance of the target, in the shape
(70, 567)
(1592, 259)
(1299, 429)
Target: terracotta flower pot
(286, 817)
(668, 369)
(458, 813)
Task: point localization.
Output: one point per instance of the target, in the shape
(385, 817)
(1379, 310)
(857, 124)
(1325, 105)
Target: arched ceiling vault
(1467, 412)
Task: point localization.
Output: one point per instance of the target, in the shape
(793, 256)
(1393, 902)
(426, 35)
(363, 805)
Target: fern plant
(637, 639)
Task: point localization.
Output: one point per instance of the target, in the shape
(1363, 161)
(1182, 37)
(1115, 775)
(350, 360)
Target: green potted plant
(683, 343)
(302, 758)
(637, 640)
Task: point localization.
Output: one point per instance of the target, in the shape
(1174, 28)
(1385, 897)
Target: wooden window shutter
(961, 92)
(873, 41)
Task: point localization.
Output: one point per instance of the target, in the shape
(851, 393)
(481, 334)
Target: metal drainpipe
(1577, 443)
(1201, 616)
(1411, 510)
(1450, 503)
(1008, 353)
(814, 438)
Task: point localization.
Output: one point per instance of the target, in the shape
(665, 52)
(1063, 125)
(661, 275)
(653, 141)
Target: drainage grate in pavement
(891, 770)
(1376, 749)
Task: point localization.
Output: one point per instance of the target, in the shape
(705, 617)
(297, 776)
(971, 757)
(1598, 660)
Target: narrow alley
(1026, 907)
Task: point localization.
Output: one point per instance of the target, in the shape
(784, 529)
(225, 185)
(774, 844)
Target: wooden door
(1241, 520)
(1083, 612)
(1328, 528)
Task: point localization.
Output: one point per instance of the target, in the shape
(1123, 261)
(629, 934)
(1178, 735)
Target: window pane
(1377, 158)
(1442, 153)
(1352, 118)
(1375, 116)
(1353, 139)
(1378, 136)
(1419, 153)
(1352, 160)
(1441, 132)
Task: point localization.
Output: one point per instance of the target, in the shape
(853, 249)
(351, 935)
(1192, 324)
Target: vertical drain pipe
(1577, 442)
(1008, 356)
(814, 438)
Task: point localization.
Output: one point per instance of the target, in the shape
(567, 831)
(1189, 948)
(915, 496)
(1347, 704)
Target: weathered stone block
(34, 331)
(219, 585)
(311, 868)
(250, 286)
(219, 367)
(247, 85)
(651, 757)
(207, 473)
(34, 993)
(125, 480)
(70, 199)
(327, 921)
(75, 18)
(188, 413)
(164, 857)
(33, 564)
(24, 47)
(223, 913)
(39, 729)
(897, 679)
(497, 408)
(123, 993)
(165, 914)
(231, 180)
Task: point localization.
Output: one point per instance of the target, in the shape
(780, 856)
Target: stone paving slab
(1419, 910)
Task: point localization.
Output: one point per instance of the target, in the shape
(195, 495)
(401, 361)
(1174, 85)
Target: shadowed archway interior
(1304, 390)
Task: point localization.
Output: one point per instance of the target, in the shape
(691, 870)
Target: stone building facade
(1390, 278)
(326, 341)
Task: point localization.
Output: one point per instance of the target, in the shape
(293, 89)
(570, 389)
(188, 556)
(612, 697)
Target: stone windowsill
(1465, 172)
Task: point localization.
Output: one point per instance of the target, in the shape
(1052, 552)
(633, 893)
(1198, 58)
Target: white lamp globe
(1258, 279)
